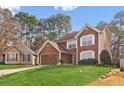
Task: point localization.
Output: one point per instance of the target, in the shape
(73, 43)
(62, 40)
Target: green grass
(10, 66)
(56, 75)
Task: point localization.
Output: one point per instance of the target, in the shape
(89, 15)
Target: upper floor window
(87, 54)
(71, 44)
(87, 40)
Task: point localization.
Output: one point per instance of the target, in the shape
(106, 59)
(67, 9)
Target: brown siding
(88, 31)
(48, 51)
(67, 58)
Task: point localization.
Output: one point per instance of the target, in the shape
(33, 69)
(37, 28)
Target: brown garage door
(49, 59)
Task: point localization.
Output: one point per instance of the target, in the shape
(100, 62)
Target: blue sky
(79, 15)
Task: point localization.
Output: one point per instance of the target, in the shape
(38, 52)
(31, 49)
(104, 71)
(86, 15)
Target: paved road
(10, 71)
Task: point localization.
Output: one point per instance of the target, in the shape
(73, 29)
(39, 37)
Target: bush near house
(90, 61)
(61, 61)
(105, 57)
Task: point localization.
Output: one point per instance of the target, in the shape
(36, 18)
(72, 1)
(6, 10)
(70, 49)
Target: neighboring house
(87, 43)
(19, 54)
(121, 51)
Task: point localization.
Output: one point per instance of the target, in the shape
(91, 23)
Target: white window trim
(70, 41)
(10, 53)
(93, 54)
(93, 39)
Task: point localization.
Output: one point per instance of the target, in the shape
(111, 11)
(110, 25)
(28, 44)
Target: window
(87, 40)
(71, 44)
(12, 57)
(26, 57)
(87, 54)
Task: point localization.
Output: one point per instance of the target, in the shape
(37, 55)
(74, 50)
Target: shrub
(116, 62)
(105, 57)
(90, 61)
(61, 61)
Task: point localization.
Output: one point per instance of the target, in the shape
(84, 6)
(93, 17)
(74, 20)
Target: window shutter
(16, 57)
(7, 57)
(23, 57)
(28, 57)
(81, 41)
(93, 54)
(93, 39)
(80, 56)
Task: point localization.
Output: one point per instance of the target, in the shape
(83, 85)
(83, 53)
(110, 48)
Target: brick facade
(102, 41)
(94, 47)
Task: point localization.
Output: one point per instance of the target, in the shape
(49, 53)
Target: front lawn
(10, 66)
(56, 75)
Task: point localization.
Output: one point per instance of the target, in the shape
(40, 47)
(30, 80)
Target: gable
(11, 50)
(87, 28)
(88, 31)
(48, 48)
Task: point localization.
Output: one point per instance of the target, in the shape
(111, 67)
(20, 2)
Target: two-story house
(87, 43)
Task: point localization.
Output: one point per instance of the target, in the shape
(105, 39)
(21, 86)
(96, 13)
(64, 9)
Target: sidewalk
(10, 71)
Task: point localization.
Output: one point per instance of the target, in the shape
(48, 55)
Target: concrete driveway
(10, 71)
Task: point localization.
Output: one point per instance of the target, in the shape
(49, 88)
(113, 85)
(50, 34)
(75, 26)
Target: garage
(50, 59)
(50, 53)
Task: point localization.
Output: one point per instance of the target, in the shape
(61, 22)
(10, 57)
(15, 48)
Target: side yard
(68, 75)
(11, 66)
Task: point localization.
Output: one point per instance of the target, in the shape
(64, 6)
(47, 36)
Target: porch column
(59, 58)
(37, 59)
(5, 58)
(33, 60)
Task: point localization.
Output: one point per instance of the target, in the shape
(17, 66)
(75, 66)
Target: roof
(101, 27)
(68, 36)
(54, 44)
(75, 34)
(10, 48)
(58, 47)
(20, 47)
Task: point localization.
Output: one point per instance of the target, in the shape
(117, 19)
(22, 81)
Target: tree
(117, 28)
(34, 30)
(105, 57)
(56, 25)
(38, 42)
(52, 28)
(9, 29)
(101, 23)
(29, 26)
(63, 24)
